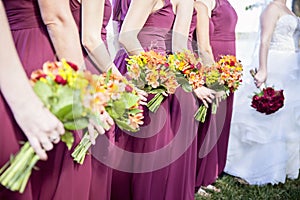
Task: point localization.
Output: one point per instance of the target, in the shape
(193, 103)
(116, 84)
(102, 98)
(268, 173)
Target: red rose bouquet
(268, 100)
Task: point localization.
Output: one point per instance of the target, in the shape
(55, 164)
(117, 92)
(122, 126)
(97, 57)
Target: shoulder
(208, 5)
(271, 11)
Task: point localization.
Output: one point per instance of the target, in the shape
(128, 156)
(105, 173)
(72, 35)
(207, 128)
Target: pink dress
(59, 177)
(159, 161)
(100, 187)
(214, 133)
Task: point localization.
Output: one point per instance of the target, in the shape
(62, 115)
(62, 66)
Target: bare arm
(181, 29)
(134, 21)
(92, 21)
(202, 31)
(268, 21)
(57, 16)
(36, 121)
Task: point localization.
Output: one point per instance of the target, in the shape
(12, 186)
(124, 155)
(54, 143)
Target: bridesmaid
(92, 17)
(40, 134)
(146, 25)
(39, 30)
(215, 36)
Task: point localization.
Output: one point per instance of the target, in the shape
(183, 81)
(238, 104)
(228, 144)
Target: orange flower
(136, 120)
(37, 75)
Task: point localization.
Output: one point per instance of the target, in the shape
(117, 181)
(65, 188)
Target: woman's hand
(41, 128)
(143, 96)
(106, 123)
(220, 96)
(260, 77)
(205, 94)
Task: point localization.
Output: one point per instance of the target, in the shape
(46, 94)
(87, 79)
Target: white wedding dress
(266, 148)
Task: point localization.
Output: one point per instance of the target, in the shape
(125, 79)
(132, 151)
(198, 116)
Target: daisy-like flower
(152, 79)
(136, 121)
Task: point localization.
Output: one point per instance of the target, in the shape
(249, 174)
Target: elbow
(57, 19)
(90, 41)
(126, 39)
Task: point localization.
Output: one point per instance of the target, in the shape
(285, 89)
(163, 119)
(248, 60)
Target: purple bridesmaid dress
(214, 133)
(161, 158)
(101, 174)
(222, 37)
(59, 177)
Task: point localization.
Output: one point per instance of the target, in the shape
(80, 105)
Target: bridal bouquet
(119, 98)
(186, 65)
(61, 87)
(268, 100)
(224, 75)
(150, 72)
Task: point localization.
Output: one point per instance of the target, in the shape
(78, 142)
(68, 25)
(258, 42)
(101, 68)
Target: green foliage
(232, 188)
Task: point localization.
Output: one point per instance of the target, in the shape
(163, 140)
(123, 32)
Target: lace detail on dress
(283, 38)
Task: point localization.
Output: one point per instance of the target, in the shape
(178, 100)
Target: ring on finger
(53, 138)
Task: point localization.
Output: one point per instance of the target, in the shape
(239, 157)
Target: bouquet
(268, 100)
(186, 66)
(61, 87)
(119, 98)
(225, 75)
(150, 72)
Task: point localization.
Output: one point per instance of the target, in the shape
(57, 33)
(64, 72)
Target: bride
(265, 148)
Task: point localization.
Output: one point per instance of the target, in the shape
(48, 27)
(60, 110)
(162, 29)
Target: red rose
(167, 65)
(269, 92)
(232, 63)
(73, 66)
(60, 80)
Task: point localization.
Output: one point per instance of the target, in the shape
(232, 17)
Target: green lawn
(231, 188)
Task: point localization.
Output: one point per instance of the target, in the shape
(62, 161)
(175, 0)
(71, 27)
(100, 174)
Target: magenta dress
(59, 177)
(159, 161)
(222, 27)
(214, 133)
(100, 187)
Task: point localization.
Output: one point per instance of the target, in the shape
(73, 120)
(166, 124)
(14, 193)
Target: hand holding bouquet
(268, 100)
(225, 75)
(61, 88)
(115, 95)
(150, 72)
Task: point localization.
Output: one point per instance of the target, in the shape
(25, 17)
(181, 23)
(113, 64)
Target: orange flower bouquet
(61, 87)
(150, 72)
(225, 75)
(119, 98)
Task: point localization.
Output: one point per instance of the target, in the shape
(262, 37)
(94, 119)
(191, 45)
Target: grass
(231, 188)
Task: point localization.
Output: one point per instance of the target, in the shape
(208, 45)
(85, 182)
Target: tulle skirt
(265, 148)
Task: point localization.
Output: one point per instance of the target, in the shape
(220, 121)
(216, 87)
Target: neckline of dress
(285, 15)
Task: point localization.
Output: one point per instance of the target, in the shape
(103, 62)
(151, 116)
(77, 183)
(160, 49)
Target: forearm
(263, 56)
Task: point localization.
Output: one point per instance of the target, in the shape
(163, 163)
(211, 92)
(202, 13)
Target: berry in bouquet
(267, 100)
(118, 97)
(62, 88)
(149, 71)
(224, 75)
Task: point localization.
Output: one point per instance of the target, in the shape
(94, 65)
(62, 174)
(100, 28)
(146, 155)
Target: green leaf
(66, 97)
(122, 124)
(43, 91)
(119, 107)
(77, 124)
(108, 75)
(134, 111)
(76, 112)
(68, 139)
(129, 99)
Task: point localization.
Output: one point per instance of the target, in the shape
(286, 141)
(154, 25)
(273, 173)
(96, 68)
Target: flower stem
(155, 102)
